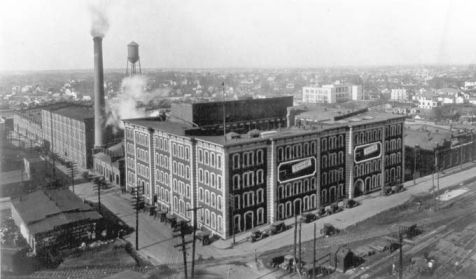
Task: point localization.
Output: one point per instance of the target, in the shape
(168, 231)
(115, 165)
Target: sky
(54, 34)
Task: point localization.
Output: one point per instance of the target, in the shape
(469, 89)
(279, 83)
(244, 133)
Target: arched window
(341, 157)
(340, 190)
(313, 201)
(260, 216)
(399, 143)
(306, 149)
(260, 195)
(399, 157)
(306, 185)
(280, 192)
(299, 150)
(313, 183)
(324, 178)
(332, 143)
(236, 161)
(299, 187)
(280, 154)
(306, 203)
(356, 139)
(324, 162)
(260, 156)
(288, 154)
(236, 182)
(341, 141)
(324, 196)
(341, 174)
(288, 190)
(281, 211)
(260, 176)
(356, 171)
(313, 147)
(289, 211)
(324, 144)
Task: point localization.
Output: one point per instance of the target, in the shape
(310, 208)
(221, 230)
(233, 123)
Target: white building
(428, 102)
(399, 94)
(331, 93)
(356, 92)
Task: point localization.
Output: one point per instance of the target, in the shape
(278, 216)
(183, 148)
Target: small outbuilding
(342, 259)
(54, 219)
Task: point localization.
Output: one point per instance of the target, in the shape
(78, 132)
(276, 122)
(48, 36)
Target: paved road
(156, 243)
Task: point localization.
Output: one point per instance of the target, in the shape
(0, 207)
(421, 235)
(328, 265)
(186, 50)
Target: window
(219, 202)
(188, 191)
(236, 161)
(219, 182)
(200, 175)
(187, 153)
(200, 194)
(219, 223)
(219, 164)
(236, 182)
(207, 159)
(213, 200)
(259, 156)
(200, 156)
(214, 182)
(260, 193)
(213, 159)
(207, 197)
(260, 176)
(260, 217)
(213, 220)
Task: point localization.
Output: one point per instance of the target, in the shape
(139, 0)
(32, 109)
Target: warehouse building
(260, 171)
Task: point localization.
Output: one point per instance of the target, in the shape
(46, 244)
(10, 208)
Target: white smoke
(99, 20)
(124, 106)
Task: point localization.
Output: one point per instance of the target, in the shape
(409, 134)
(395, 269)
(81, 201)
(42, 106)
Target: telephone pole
(295, 235)
(400, 238)
(194, 210)
(182, 228)
(314, 255)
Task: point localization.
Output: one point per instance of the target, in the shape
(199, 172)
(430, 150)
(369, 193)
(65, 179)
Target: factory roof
(173, 127)
(427, 140)
(78, 112)
(58, 207)
(330, 116)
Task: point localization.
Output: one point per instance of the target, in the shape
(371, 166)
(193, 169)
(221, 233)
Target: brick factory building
(261, 171)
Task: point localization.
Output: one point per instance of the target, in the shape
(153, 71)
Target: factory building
(109, 163)
(261, 171)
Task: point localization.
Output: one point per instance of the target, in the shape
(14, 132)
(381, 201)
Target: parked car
(277, 227)
(329, 230)
(276, 261)
(204, 237)
(307, 218)
(288, 263)
(351, 203)
(258, 235)
(321, 212)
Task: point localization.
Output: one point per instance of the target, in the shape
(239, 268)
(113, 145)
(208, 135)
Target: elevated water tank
(133, 52)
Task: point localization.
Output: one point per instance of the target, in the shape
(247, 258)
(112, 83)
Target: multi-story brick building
(255, 177)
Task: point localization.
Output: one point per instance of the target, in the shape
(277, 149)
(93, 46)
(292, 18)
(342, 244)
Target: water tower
(133, 60)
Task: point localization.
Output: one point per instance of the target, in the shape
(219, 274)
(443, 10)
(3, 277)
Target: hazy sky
(54, 34)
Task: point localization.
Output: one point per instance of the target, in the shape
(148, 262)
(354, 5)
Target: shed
(342, 259)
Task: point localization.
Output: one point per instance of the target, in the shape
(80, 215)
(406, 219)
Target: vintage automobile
(276, 261)
(329, 230)
(258, 235)
(307, 218)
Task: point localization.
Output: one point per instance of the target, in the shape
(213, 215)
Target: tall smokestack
(99, 103)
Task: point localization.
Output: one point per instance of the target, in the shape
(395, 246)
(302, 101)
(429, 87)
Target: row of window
(129, 134)
(130, 162)
(394, 144)
(336, 175)
(183, 152)
(393, 175)
(181, 188)
(296, 188)
(162, 160)
(247, 179)
(248, 199)
(367, 167)
(162, 176)
(335, 159)
(368, 136)
(210, 179)
(286, 210)
(131, 179)
(334, 142)
(181, 170)
(210, 219)
(210, 198)
(164, 194)
(296, 151)
(130, 148)
(142, 155)
(393, 159)
(162, 144)
(334, 194)
(143, 170)
(248, 217)
(181, 208)
(393, 130)
(142, 139)
(248, 159)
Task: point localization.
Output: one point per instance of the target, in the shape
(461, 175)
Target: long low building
(54, 219)
(261, 171)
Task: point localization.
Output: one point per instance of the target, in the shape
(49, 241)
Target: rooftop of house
(78, 112)
(58, 207)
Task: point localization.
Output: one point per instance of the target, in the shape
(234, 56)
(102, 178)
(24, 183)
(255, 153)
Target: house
(109, 163)
(54, 219)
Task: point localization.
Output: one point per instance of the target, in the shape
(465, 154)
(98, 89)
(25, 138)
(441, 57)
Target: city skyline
(51, 35)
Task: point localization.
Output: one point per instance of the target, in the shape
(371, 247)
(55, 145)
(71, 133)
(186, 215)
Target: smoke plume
(124, 106)
(99, 20)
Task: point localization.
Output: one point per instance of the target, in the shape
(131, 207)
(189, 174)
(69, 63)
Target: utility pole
(414, 163)
(232, 207)
(137, 204)
(400, 237)
(314, 255)
(98, 184)
(72, 171)
(194, 210)
(300, 228)
(182, 228)
(295, 235)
